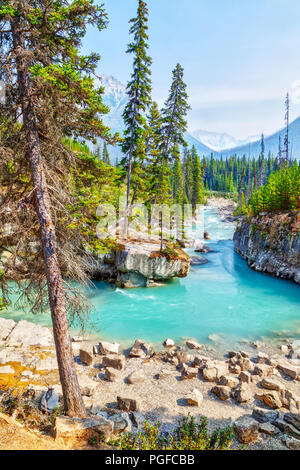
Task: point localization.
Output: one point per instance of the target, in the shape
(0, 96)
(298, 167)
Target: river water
(223, 298)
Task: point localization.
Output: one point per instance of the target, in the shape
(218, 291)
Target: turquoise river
(224, 298)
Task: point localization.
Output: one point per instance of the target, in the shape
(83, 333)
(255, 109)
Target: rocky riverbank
(271, 244)
(140, 263)
(258, 393)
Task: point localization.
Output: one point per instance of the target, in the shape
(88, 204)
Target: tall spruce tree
(198, 189)
(139, 99)
(287, 123)
(174, 123)
(262, 161)
(158, 172)
(50, 94)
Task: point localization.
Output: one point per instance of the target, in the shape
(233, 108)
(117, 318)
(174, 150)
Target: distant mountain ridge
(271, 144)
(220, 141)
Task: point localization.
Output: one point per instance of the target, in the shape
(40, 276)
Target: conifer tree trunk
(71, 391)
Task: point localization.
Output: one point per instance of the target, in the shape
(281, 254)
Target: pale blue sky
(240, 57)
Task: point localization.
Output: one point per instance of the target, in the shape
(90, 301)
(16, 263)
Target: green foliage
(281, 193)
(187, 435)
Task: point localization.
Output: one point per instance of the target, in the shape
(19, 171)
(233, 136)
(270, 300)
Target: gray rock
(108, 348)
(246, 429)
(287, 428)
(270, 398)
(269, 429)
(194, 398)
(293, 419)
(127, 404)
(115, 362)
(198, 260)
(121, 423)
(140, 349)
(136, 377)
(70, 431)
(191, 344)
(110, 374)
(265, 416)
(222, 392)
(138, 420)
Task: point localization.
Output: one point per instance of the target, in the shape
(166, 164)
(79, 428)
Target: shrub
(187, 435)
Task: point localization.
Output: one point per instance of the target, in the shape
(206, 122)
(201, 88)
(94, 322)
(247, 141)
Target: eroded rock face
(140, 265)
(271, 244)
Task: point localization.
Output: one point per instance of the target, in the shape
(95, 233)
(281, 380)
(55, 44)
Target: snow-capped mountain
(218, 142)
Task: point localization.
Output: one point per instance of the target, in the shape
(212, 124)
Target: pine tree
(105, 155)
(287, 122)
(178, 193)
(198, 189)
(159, 190)
(51, 89)
(139, 99)
(174, 123)
(262, 161)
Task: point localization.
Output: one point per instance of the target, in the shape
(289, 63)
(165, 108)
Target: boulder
(121, 422)
(287, 428)
(270, 399)
(198, 260)
(127, 404)
(136, 377)
(191, 344)
(222, 392)
(293, 418)
(49, 401)
(213, 373)
(26, 334)
(235, 369)
(108, 348)
(263, 358)
(115, 362)
(229, 381)
(189, 373)
(243, 394)
(246, 429)
(168, 343)
(71, 431)
(110, 374)
(263, 370)
(264, 416)
(140, 349)
(195, 398)
(138, 420)
(245, 377)
(86, 354)
(288, 370)
(268, 428)
(272, 383)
